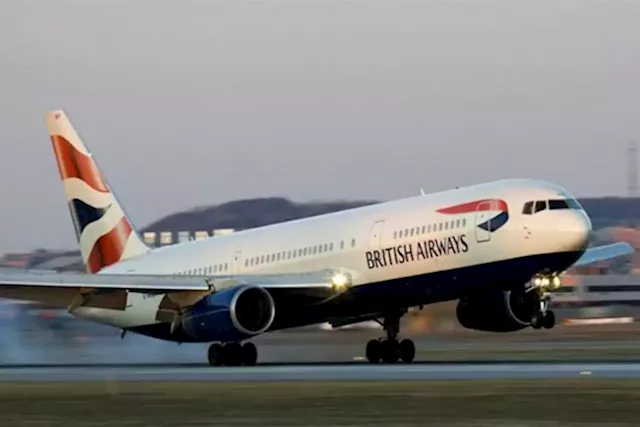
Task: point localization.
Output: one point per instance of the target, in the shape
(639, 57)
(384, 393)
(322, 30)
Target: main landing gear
(390, 350)
(233, 354)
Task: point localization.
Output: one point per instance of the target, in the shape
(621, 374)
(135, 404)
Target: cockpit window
(564, 204)
(573, 204)
(558, 204)
(540, 206)
(533, 207)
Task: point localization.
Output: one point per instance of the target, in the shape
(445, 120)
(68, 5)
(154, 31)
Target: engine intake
(498, 311)
(232, 314)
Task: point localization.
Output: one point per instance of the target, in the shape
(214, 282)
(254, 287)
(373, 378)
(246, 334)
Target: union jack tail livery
(104, 232)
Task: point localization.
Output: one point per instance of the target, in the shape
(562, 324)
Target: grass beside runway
(584, 401)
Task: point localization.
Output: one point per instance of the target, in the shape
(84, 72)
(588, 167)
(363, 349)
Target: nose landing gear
(543, 316)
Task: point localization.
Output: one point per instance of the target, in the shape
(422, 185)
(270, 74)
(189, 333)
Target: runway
(335, 372)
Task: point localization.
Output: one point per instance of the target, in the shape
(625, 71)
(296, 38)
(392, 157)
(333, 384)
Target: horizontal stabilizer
(605, 252)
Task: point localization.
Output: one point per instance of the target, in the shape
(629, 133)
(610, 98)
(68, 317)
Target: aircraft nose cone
(577, 231)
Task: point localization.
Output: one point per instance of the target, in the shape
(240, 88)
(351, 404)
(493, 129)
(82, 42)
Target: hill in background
(250, 213)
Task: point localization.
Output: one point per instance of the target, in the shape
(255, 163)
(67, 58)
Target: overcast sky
(187, 103)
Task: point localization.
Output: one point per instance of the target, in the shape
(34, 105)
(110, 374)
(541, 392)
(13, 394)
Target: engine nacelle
(498, 311)
(232, 314)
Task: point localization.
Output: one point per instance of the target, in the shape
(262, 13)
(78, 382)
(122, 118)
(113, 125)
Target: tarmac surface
(321, 372)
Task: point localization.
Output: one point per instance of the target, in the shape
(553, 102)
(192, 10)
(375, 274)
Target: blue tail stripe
(84, 214)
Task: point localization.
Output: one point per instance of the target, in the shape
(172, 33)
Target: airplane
(499, 248)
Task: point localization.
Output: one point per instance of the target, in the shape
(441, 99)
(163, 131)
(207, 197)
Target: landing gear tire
(215, 355)
(373, 351)
(537, 320)
(232, 354)
(549, 320)
(407, 351)
(249, 354)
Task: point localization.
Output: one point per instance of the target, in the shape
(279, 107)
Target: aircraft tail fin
(104, 232)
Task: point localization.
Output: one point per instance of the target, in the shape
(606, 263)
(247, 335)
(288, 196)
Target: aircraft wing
(58, 288)
(603, 253)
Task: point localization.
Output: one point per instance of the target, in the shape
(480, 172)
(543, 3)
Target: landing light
(556, 282)
(339, 281)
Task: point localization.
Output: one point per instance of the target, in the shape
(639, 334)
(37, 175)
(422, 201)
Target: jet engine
(498, 311)
(229, 315)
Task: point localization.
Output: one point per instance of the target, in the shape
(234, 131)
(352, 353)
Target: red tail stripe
(482, 205)
(74, 164)
(109, 248)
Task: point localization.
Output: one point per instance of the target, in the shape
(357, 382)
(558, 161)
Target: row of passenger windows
(212, 269)
(431, 228)
(270, 258)
(533, 207)
(294, 253)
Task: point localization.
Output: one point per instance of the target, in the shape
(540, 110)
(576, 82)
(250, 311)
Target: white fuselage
(381, 243)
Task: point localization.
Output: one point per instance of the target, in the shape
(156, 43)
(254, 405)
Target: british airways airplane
(498, 248)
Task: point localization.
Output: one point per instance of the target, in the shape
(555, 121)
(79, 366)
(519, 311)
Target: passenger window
(262, 259)
(326, 247)
(464, 221)
(395, 234)
(458, 223)
(527, 209)
(304, 252)
(429, 229)
(353, 242)
(412, 230)
(424, 229)
(341, 244)
(440, 227)
(331, 246)
(540, 206)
